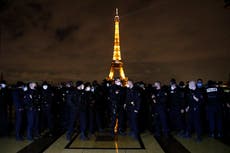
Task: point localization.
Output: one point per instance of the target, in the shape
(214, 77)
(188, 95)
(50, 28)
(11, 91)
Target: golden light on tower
(117, 64)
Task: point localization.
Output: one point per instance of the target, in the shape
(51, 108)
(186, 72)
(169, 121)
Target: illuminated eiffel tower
(117, 64)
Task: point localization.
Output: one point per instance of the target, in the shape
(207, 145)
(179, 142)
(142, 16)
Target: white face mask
(3, 85)
(92, 89)
(118, 82)
(81, 87)
(157, 86)
(173, 87)
(45, 87)
(87, 88)
(25, 88)
(130, 85)
(192, 85)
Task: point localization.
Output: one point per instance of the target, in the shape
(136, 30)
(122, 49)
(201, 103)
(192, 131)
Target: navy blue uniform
(18, 100)
(99, 106)
(194, 104)
(176, 104)
(132, 103)
(82, 103)
(30, 112)
(226, 99)
(71, 111)
(159, 106)
(3, 111)
(115, 106)
(214, 110)
(46, 106)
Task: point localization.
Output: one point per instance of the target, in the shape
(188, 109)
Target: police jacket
(193, 103)
(18, 98)
(176, 99)
(115, 93)
(46, 98)
(30, 99)
(159, 98)
(81, 100)
(70, 97)
(213, 95)
(132, 99)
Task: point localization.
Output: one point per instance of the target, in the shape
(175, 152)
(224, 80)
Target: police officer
(159, 99)
(37, 111)
(132, 106)
(46, 106)
(29, 100)
(176, 108)
(18, 101)
(3, 108)
(193, 108)
(214, 109)
(226, 99)
(82, 104)
(100, 104)
(115, 103)
(90, 101)
(71, 106)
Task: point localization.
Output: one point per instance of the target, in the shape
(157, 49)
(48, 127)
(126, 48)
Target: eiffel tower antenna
(117, 64)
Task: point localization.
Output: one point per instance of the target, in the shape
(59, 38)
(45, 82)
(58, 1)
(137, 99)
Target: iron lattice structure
(117, 64)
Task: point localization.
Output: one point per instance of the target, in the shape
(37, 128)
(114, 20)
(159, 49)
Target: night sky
(62, 40)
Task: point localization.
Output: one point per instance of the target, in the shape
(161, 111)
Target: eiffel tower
(117, 64)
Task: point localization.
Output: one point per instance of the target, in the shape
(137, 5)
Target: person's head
(157, 85)
(80, 85)
(32, 85)
(192, 85)
(199, 83)
(117, 82)
(87, 86)
(45, 85)
(130, 84)
(3, 84)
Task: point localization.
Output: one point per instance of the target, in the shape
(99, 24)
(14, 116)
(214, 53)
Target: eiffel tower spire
(116, 62)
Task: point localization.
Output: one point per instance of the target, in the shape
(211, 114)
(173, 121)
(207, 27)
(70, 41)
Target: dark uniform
(132, 103)
(226, 111)
(30, 111)
(194, 102)
(99, 106)
(46, 107)
(116, 106)
(82, 104)
(214, 109)
(176, 106)
(37, 113)
(71, 106)
(3, 111)
(159, 106)
(18, 101)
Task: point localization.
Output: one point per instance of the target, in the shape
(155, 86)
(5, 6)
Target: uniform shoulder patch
(211, 90)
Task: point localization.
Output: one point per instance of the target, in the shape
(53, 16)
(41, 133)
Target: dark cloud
(69, 40)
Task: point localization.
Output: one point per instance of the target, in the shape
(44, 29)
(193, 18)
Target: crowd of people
(183, 108)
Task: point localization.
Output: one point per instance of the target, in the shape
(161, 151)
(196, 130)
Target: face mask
(92, 89)
(192, 86)
(25, 88)
(173, 87)
(118, 83)
(87, 88)
(3, 85)
(44, 87)
(199, 84)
